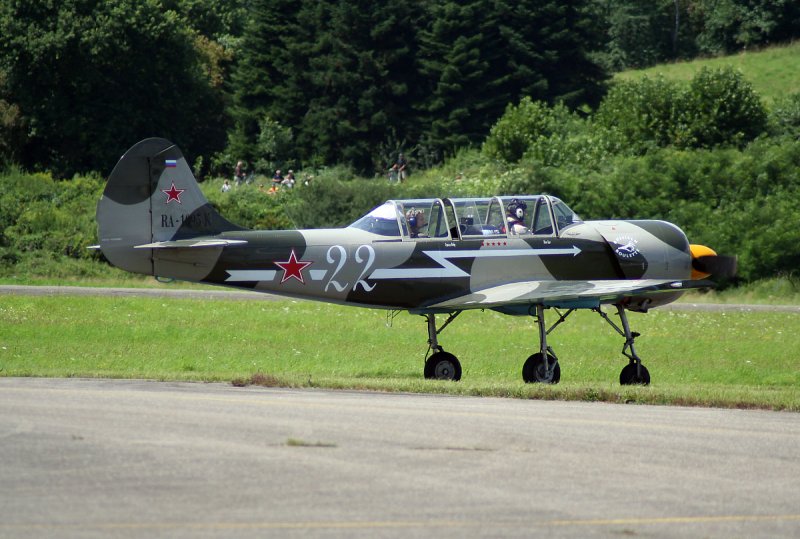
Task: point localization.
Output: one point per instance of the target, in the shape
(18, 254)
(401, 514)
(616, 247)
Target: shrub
(718, 108)
(723, 109)
(275, 142)
(517, 130)
(644, 113)
(549, 136)
(785, 116)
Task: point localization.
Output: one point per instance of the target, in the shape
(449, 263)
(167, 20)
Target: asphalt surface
(116, 458)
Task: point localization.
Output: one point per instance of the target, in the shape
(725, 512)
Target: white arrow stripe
(317, 275)
(449, 269)
(493, 253)
(250, 275)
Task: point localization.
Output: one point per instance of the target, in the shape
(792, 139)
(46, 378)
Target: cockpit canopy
(464, 218)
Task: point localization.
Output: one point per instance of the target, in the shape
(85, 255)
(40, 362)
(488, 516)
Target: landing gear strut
(634, 373)
(542, 367)
(440, 365)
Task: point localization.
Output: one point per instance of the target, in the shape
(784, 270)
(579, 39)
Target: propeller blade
(706, 262)
(716, 265)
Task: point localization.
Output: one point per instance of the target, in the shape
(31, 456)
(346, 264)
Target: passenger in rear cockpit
(515, 218)
(416, 222)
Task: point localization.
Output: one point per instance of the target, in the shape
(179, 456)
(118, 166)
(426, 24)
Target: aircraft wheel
(443, 366)
(628, 376)
(534, 371)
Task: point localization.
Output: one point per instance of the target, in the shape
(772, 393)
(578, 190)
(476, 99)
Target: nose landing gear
(634, 373)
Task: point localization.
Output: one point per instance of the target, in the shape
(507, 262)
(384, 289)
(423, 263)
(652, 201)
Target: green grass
(776, 291)
(111, 278)
(713, 359)
(774, 72)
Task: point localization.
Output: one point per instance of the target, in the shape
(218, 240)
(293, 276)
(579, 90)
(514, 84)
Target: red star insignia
(173, 193)
(292, 268)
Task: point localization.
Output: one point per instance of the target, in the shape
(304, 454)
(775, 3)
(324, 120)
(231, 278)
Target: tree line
(707, 155)
(316, 83)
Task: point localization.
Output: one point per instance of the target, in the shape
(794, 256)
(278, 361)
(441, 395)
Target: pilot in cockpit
(515, 217)
(416, 222)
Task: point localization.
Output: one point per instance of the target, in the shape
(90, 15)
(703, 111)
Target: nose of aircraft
(706, 262)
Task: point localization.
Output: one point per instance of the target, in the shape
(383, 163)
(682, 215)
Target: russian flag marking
(170, 163)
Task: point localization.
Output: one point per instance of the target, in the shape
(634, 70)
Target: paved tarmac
(121, 458)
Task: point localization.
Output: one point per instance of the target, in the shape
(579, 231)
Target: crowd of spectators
(398, 173)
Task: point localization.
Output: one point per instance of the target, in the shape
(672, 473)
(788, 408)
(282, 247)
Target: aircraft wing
(566, 294)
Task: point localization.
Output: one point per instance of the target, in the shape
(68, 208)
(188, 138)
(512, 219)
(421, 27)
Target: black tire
(534, 372)
(628, 376)
(443, 366)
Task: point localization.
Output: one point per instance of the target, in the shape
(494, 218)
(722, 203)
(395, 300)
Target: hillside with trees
(325, 82)
(484, 97)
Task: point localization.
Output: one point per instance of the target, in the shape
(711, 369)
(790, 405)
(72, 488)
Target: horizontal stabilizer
(191, 243)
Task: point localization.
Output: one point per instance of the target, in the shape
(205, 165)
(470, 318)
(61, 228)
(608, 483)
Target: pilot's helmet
(516, 208)
(411, 217)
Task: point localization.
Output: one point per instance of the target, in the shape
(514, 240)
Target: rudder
(152, 196)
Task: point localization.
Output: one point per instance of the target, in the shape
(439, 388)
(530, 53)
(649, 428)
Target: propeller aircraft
(520, 255)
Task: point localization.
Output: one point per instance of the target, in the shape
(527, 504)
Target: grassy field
(735, 359)
(776, 291)
(773, 72)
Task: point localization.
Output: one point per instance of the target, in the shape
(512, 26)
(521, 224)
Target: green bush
(785, 116)
(275, 142)
(738, 201)
(42, 219)
(644, 113)
(521, 127)
(550, 136)
(722, 109)
(718, 108)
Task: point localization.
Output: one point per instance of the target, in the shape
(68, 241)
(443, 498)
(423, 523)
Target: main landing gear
(541, 367)
(441, 365)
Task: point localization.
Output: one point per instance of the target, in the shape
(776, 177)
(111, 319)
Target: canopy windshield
(415, 219)
(383, 221)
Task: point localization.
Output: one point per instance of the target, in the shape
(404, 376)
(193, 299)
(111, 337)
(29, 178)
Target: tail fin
(151, 197)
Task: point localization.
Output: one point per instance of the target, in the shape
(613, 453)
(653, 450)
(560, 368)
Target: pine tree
(348, 79)
(91, 77)
(461, 51)
(480, 55)
(258, 71)
(561, 33)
